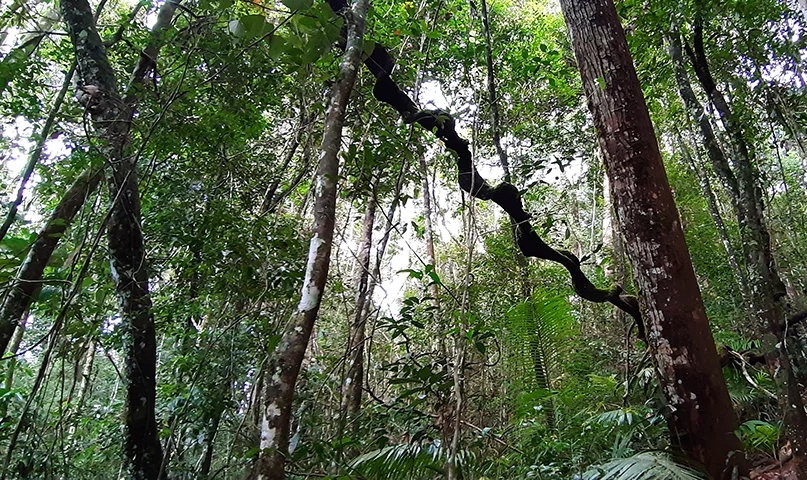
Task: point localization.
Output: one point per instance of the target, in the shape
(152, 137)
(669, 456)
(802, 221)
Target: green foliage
(404, 461)
(537, 331)
(644, 466)
(760, 435)
(226, 139)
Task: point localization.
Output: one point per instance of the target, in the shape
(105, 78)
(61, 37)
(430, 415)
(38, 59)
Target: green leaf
(16, 245)
(368, 47)
(298, 4)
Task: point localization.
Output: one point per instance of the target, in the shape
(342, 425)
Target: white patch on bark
(309, 297)
(268, 433)
(273, 410)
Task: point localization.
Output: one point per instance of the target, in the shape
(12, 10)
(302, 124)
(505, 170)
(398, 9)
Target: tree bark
(354, 382)
(701, 419)
(111, 116)
(285, 361)
(29, 278)
(768, 290)
(501, 153)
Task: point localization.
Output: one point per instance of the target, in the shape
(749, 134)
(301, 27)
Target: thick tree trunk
(285, 362)
(354, 382)
(29, 277)
(769, 292)
(701, 420)
(111, 115)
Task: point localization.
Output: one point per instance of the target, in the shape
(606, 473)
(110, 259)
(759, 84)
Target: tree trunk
(722, 231)
(36, 153)
(112, 116)
(428, 227)
(352, 389)
(769, 291)
(720, 164)
(29, 278)
(84, 386)
(501, 153)
(285, 361)
(701, 419)
(16, 340)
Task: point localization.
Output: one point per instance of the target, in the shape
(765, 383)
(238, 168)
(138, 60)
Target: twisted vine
(380, 63)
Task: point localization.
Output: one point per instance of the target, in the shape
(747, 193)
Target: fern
(643, 466)
(536, 330)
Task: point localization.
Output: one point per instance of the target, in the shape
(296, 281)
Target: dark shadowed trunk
(701, 418)
(29, 277)
(285, 361)
(111, 116)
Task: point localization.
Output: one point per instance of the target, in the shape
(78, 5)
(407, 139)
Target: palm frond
(536, 331)
(409, 461)
(643, 466)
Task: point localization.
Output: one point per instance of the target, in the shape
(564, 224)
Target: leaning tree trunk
(720, 164)
(720, 226)
(285, 362)
(111, 115)
(701, 420)
(769, 292)
(29, 278)
(36, 153)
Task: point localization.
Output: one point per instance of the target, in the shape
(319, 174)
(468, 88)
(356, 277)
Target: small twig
(748, 378)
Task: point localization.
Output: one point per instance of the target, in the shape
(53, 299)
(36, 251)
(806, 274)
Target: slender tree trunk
(428, 228)
(285, 362)
(16, 340)
(36, 152)
(501, 153)
(720, 164)
(83, 386)
(769, 292)
(354, 382)
(722, 231)
(210, 437)
(16, 59)
(701, 420)
(29, 278)
(112, 115)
